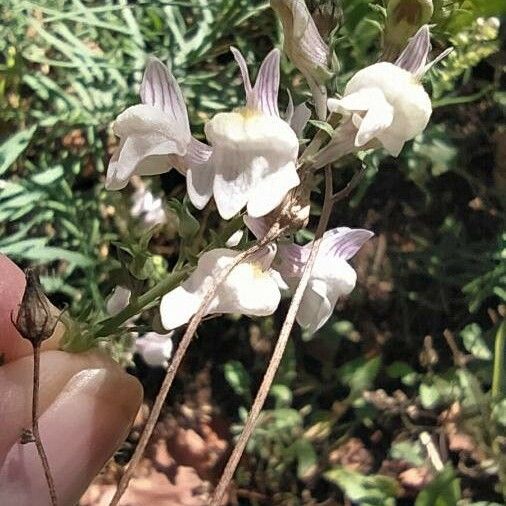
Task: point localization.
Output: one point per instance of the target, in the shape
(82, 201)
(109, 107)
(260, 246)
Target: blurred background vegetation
(411, 353)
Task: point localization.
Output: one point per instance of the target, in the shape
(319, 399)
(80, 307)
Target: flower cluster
(251, 162)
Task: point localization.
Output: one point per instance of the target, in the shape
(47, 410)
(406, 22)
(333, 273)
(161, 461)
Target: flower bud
(305, 47)
(404, 18)
(36, 320)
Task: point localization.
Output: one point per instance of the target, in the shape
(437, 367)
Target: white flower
(332, 277)
(148, 207)
(387, 102)
(305, 47)
(154, 348)
(249, 289)
(154, 135)
(254, 152)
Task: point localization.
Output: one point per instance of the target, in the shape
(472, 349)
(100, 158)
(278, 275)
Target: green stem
(499, 352)
(112, 324)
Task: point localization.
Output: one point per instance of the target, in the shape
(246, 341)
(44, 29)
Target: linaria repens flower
(155, 348)
(254, 152)
(386, 101)
(251, 288)
(305, 47)
(332, 277)
(155, 134)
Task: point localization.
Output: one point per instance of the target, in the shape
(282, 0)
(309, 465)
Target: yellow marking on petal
(249, 112)
(257, 270)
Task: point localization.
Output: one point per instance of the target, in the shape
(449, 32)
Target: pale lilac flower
(254, 152)
(332, 277)
(250, 288)
(305, 47)
(155, 134)
(155, 348)
(386, 102)
(147, 207)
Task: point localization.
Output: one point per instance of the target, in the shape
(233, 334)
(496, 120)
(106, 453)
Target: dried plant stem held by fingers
(278, 350)
(275, 232)
(36, 322)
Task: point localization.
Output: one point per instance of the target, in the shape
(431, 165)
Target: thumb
(80, 430)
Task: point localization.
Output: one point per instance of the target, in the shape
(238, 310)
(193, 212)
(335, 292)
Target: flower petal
(315, 308)
(234, 239)
(361, 100)
(270, 191)
(243, 67)
(344, 242)
(178, 306)
(248, 290)
(154, 348)
(265, 91)
(118, 301)
(199, 175)
(146, 137)
(258, 226)
(231, 189)
(291, 259)
(300, 117)
(160, 89)
(414, 57)
(391, 142)
(377, 118)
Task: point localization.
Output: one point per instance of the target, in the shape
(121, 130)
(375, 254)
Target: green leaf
(409, 451)
(499, 413)
(238, 378)
(443, 490)
(374, 490)
(323, 125)
(359, 374)
(51, 254)
(14, 146)
(307, 458)
(474, 343)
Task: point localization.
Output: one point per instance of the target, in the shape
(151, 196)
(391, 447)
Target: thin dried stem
(35, 425)
(273, 233)
(355, 181)
(279, 350)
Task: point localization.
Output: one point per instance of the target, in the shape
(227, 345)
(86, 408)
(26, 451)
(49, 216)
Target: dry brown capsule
(36, 320)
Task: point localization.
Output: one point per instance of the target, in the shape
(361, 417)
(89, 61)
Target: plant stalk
(499, 359)
(279, 350)
(112, 324)
(35, 425)
(178, 358)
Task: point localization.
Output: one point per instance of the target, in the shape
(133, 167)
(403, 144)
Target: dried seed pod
(36, 320)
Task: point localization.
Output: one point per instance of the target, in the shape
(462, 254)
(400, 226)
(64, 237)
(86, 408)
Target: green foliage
(373, 490)
(444, 490)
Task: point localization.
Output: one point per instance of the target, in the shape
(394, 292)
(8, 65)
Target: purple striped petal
(264, 95)
(265, 92)
(414, 57)
(243, 67)
(344, 242)
(292, 259)
(160, 89)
